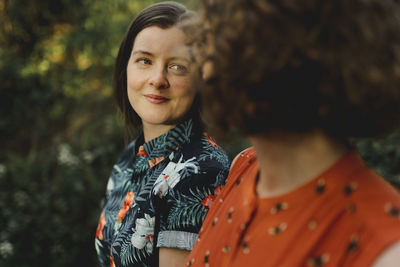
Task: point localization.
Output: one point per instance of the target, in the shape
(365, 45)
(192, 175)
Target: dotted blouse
(158, 196)
(346, 216)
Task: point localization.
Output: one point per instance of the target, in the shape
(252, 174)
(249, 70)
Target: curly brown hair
(296, 65)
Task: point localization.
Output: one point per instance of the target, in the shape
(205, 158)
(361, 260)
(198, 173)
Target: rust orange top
(346, 216)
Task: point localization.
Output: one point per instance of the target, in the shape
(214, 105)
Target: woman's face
(158, 77)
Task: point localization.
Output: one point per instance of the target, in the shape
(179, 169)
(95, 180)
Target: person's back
(300, 78)
(345, 216)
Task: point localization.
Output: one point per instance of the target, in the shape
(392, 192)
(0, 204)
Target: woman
(163, 184)
(300, 78)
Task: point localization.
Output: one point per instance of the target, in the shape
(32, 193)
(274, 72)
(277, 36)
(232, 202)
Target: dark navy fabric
(160, 190)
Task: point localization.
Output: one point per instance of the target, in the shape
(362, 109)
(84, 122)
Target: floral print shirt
(158, 195)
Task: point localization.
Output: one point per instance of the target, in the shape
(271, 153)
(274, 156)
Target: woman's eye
(144, 61)
(179, 68)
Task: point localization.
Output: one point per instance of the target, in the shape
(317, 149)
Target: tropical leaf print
(191, 167)
(126, 157)
(188, 209)
(114, 202)
(129, 254)
(102, 251)
(156, 146)
(209, 152)
(186, 132)
(148, 183)
(141, 165)
(180, 135)
(220, 179)
(118, 177)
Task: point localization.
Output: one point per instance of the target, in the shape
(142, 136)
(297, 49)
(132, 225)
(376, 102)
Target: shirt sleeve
(183, 209)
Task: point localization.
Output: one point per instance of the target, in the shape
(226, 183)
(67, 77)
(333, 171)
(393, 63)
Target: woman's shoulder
(126, 156)
(376, 198)
(205, 148)
(378, 214)
(245, 157)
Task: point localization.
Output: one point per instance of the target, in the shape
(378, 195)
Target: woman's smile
(155, 99)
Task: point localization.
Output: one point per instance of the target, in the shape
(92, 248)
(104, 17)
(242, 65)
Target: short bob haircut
(298, 65)
(164, 15)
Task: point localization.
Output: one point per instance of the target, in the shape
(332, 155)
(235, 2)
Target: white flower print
(170, 176)
(144, 233)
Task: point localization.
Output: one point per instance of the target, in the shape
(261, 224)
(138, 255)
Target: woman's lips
(156, 99)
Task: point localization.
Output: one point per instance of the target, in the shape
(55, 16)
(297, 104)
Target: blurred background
(59, 129)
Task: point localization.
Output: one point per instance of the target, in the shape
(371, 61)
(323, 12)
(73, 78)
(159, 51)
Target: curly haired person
(301, 77)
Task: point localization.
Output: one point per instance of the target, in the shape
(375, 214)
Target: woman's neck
(288, 161)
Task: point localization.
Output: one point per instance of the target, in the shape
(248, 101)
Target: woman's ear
(207, 69)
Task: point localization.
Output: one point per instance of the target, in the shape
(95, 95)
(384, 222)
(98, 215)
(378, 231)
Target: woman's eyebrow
(141, 52)
(144, 52)
(180, 58)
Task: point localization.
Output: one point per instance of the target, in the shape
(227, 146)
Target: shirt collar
(163, 145)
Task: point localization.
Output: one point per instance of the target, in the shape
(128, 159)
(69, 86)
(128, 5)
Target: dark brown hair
(295, 65)
(163, 15)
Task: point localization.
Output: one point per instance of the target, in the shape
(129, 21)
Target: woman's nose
(159, 79)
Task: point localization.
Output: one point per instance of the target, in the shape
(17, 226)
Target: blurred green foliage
(383, 155)
(59, 131)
